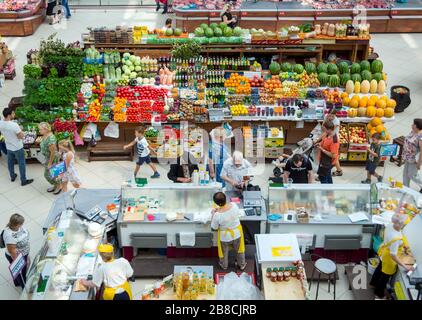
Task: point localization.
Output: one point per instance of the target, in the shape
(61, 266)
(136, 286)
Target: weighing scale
(252, 202)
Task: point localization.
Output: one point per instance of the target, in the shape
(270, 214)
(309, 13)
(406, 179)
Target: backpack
(2, 244)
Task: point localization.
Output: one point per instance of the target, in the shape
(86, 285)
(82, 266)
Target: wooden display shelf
(170, 295)
(23, 23)
(283, 290)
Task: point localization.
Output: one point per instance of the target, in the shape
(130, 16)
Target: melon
(380, 113)
(323, 79)
(381, 104)
(364, 86)
(372, 132)
(378, 76)
(322, 68)
(366, 75)
(286, 67)
(352, 113)
(376, 66)
(177, 32)
(369, 126)
(275, 68)
(373, 86)
(223, 26)
(365, 65)
(334, 81)
(376, 122)
(298, 68)
(356, 77)
(343, 67)
(218, 32)
(370, 112)
(237, 31)
(213, 25)
(332, 68)
(203, 26)
(228, 32)
(389, 112)
(354, 103)
(209, 33)
(310, 67)
(381, 87)
(380, 128)
(199, 32)
(355, 68)
(344, 78)
(169, 32)
(361, 112)
(350, 86)
(357, 87)
(391, 103)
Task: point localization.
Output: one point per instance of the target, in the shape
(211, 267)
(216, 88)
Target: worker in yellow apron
(389, 252)
(225, 219)
(113, 274)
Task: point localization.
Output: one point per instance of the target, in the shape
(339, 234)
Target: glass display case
(56, 266)
(320, 199)
(167, 199)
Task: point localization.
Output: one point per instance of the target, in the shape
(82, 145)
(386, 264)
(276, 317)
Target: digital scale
(92, 214)
(252, 201)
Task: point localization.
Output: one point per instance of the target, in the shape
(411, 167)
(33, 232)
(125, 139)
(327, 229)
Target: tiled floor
(401, 54)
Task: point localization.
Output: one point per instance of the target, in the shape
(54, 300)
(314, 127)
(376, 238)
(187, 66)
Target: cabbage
(126, 55)
(132, 59)
(138, 68)
(133, 75)
(132, 68)
(128, 63)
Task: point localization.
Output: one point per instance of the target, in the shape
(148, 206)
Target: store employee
(234, 169)
(181, 171)
(299, 169)
(113, 274)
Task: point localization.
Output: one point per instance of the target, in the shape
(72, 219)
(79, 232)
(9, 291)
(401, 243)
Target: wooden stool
(398, 159)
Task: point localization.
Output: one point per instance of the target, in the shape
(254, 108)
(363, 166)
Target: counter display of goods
(68, 254)
(21, 17)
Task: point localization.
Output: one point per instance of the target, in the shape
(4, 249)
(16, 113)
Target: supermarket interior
(210, 150)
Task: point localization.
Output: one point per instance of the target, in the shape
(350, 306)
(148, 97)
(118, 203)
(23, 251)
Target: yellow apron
(389, 266)
(231, 231)
(109, 292)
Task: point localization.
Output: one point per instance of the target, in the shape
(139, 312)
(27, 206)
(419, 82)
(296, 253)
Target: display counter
(323, 211)
(23, 22)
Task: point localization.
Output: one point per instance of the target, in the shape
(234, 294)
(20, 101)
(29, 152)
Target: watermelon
(275, 68)
(343, 67)
(344, 77)
(218, 32)
(177, 32)
(228, 32)
(223, 26)
(199, 32)
(169, 32)
(213, 25)
(209, 33)
(366, 75)
(376, 66)
(365, 65)
(323, 79)
(298, 68)
(334, 81)
(322, 68)
(355, 68)
(378, 76)
(310, 67)
(356, 77)
(286, 67)
(332, 68)
(237, 32)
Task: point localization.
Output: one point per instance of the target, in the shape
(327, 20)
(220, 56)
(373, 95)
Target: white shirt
(18, 238)
(142, 147)
(10, 129)
(389, 234)
(234, 173)
(113, 274)
(336, 123)
(227, 220)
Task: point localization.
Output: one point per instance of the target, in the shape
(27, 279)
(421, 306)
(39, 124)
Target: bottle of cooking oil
(203, 284)
(210, 286)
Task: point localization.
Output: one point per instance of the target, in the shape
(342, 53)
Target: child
(68, 156)
(143, 151)
(373, 158)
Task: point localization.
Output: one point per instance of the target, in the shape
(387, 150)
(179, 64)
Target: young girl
(68, 155)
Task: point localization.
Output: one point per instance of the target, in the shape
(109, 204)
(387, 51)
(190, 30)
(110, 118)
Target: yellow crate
(357, 156)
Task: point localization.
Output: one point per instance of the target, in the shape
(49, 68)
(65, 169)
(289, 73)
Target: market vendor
(227, 17)
(225, 219)
(113, 274)
(234, 169)
(218, 153)
(389, 253)
(181, 171)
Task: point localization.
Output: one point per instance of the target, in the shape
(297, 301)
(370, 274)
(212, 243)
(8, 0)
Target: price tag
(318, 13)
(281, 13)
(213, 14)
(244, 14)
(394, 12)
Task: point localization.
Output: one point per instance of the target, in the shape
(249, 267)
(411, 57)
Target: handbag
(325, 165)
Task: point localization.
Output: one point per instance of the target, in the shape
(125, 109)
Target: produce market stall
(21, 18)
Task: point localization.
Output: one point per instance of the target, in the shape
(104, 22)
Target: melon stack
(376, 126)
(368, 106)
(366, 77)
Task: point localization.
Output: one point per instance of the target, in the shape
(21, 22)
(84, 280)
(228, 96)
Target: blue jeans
(3, 148)
(19, 156)
(326, 179)
(66, 6)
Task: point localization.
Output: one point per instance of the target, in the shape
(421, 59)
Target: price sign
(319, 13)
(281, 13)
(393, 12)
(17, 265)
(244, 14)
(213, 14)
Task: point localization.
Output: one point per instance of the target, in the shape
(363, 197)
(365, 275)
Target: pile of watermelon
(218, 32)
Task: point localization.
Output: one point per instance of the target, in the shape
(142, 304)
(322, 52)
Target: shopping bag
(41, 158)
(112, 130)
(90, 131)
(58, 169)
(417, 178)
(97, 135)
(77, 139)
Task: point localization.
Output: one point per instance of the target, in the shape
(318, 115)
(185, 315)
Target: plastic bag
(90, 131)
(234, 287)
(112, 130)
(77, 139)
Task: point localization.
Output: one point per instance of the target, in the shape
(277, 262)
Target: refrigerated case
(328, 209)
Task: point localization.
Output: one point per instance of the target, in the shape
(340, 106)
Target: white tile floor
(401, 54)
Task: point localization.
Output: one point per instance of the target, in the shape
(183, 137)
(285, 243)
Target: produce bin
(403, 99)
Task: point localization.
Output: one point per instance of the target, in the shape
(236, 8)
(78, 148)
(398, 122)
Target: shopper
(16, 240)
(333, 118)
(373, 158)
(3, 148)
(225, 219)
(113, 274)
(389, 253)
(143, 151)
(13, 140)
(234, 169)
(49, 155)
(168, 24)
(165, 4)
(227, 17)
(68, 156)
(52, 13)
(218, 153)
(65, 5)
(412, 155)
(328, 152)
(299, 169)
(181, 171)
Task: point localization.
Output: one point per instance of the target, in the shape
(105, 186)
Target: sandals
(337, 173)
(57, 191)
(51, 189)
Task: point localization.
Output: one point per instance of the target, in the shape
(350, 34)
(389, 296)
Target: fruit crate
(272, 153)
(356, 129)
(357, 156)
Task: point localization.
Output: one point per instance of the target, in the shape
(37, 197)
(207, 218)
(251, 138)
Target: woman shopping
(16, 240)
(50, 156)
(218, 153)
(227, 17)
(412, 155)
(225, 219)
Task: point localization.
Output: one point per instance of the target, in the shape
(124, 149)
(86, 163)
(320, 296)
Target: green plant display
(187, 50)
(28, 114)
(32, 71)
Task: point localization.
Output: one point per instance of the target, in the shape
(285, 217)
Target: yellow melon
(385, 98)
(344, 95)
(351, 113)
(380, 113)
(354, 103)
(372, 131)
(370, 112)
(369, 126)
(381, 87)
(380, 128)
(350, 86)
(391, 103)
(363, 103)
(346, 101)
(361, 112)
(376, 122)
(364, 86)
(373, 86)
(381, 104)
(357, 87)
(374, 97)
(371, 103)
(389, 112)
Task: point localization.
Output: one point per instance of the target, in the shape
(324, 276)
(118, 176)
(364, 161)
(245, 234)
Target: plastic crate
(220, 275)
(357, 156)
